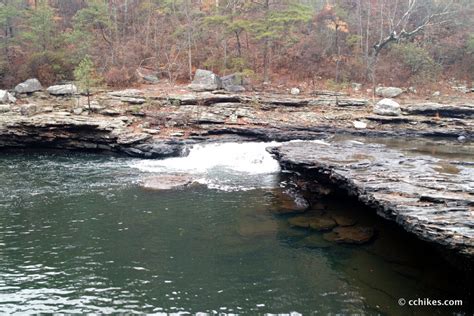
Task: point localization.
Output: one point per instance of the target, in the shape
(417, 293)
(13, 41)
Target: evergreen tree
(86, 77)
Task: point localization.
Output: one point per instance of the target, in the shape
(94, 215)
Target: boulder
(65, 89)
(4, 108)
(29, 86)
(356, 86)
(388, 92)
(233, 83)
(205, 80)
(151, 79)
(6, 97)
(167, 182)
(436, 94)
(387, 107)
(295, 91)
(359, 124)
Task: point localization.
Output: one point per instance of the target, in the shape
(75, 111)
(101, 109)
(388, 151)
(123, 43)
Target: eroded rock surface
(430, 197)
(63, 130)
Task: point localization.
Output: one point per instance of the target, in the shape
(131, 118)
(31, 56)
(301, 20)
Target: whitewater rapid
(224, 166)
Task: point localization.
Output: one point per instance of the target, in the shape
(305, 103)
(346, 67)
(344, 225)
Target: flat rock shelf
(430, 197)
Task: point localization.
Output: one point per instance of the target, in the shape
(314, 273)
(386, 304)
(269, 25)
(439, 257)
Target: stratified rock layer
(430, 197)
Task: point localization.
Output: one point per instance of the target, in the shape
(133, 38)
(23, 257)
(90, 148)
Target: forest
(330, 42)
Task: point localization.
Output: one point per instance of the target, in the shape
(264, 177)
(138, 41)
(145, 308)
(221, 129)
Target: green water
(78, 234)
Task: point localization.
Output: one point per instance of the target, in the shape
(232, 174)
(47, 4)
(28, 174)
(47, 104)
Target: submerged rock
(350, 235)
(314, 241)
(289, 201)
(167, 182)
(316, 223)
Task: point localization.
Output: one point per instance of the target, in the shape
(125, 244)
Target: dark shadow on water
(394, 264)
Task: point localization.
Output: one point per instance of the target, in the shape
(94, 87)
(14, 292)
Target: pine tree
(86, 77)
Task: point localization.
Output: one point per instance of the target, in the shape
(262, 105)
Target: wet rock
(29, 86)
(159, 149)
(387, 107)
(205, 80)
(167, 182)
(289, 202)
(350, 235)
(6, 97)
(65, 89)
(388, 92)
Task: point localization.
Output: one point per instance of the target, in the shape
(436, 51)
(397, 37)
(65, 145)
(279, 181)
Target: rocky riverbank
(430, 197)
(151, 124)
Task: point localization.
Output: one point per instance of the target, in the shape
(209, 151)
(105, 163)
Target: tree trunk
(265, 61)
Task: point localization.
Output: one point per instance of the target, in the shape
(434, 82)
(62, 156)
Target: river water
(78, 234)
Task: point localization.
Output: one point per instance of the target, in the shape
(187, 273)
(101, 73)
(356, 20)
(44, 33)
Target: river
(78, 234)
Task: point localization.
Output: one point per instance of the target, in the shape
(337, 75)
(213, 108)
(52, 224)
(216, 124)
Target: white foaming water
(251, 158)
(223, 166)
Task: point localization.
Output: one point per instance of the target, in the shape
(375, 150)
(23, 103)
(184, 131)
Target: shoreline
(135, 124)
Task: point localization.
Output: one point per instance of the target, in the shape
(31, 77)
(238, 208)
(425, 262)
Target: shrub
(116, 77)
(48, 67)
(421, 66)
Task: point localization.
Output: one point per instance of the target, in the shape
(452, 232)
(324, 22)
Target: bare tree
(404, 27)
